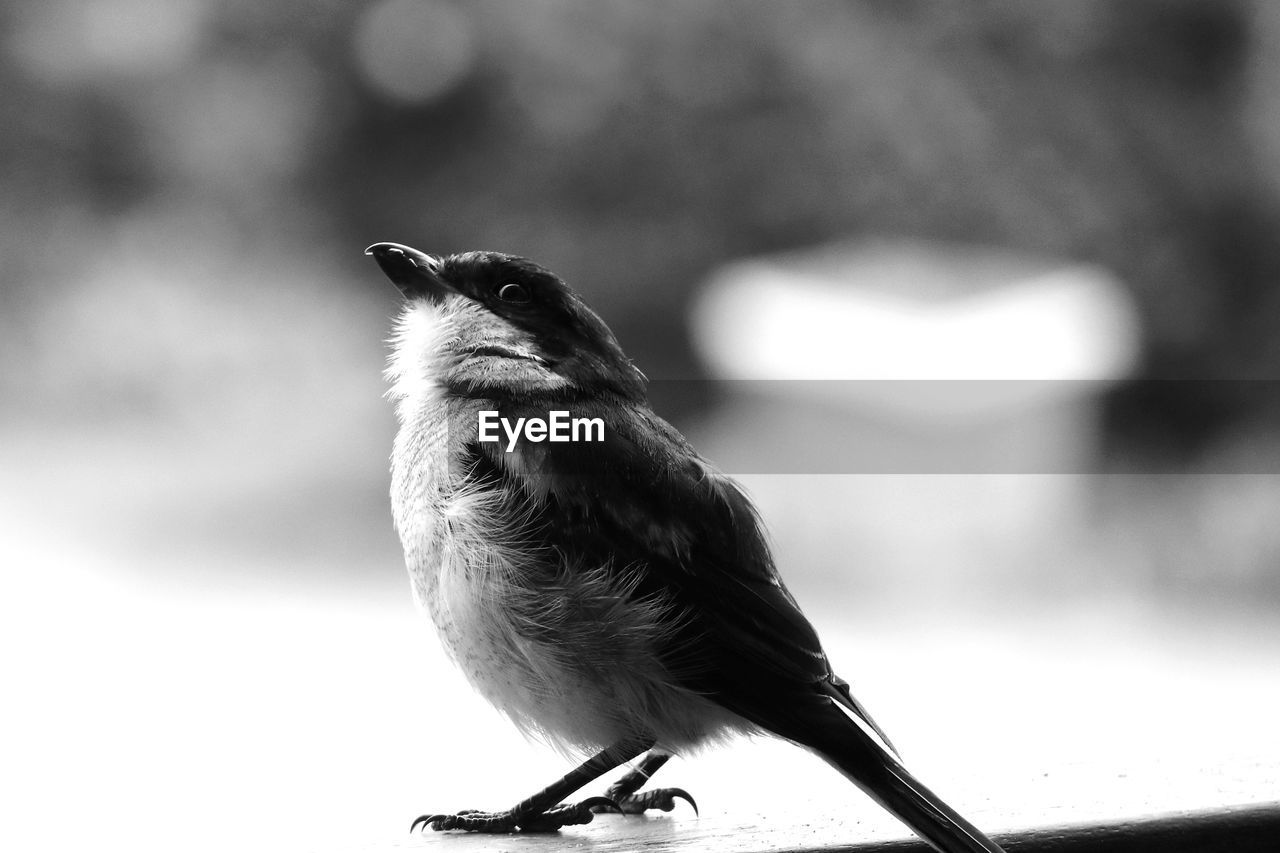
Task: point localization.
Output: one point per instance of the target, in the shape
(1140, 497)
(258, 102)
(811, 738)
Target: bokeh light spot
(68, 41)
(413, 50)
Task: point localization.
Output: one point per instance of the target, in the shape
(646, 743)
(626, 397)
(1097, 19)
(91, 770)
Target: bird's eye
(512, 292)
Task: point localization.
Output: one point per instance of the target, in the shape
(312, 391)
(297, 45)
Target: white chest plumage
(561, 648)
(460, 567)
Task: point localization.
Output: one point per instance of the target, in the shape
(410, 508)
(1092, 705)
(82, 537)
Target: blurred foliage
(635, 146)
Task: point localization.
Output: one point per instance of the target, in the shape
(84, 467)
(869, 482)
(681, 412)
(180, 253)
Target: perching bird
(613, 595)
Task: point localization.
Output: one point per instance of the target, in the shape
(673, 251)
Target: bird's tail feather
(885, 780)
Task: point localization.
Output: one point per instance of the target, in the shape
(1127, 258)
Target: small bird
(614, 596)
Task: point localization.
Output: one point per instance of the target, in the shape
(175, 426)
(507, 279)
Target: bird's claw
(565, 815)
(474, 820)
(594, 803)
(662, 799)
(425, 820)
(469, 820)
(672, 793)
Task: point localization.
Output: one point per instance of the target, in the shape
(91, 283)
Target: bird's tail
(859, 756)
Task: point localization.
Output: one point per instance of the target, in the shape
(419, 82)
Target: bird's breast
(464, 569)
(554, 638)
(451, 527)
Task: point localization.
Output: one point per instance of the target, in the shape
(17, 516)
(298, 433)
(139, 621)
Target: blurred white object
(918, 311)
(976, 367)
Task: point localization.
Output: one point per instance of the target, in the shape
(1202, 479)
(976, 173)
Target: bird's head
(485, 324)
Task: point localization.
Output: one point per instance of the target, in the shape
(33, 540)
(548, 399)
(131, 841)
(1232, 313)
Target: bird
(616, 597)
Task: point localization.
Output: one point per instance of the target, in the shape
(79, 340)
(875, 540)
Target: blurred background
(979, 301)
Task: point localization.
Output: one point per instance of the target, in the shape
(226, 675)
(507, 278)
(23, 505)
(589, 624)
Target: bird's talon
(658, 799)
(424, 821)
(600, 805)
(672, 793)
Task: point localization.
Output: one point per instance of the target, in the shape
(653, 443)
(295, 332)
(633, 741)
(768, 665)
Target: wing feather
(645, 500)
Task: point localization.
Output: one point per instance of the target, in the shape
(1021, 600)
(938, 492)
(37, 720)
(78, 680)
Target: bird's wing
(642, 499)
(644, 502)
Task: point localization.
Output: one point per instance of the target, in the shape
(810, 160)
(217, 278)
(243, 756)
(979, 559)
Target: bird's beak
(414, 272)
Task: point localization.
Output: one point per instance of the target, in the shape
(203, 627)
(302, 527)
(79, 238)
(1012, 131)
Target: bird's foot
(474, 820)
(662, 799)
